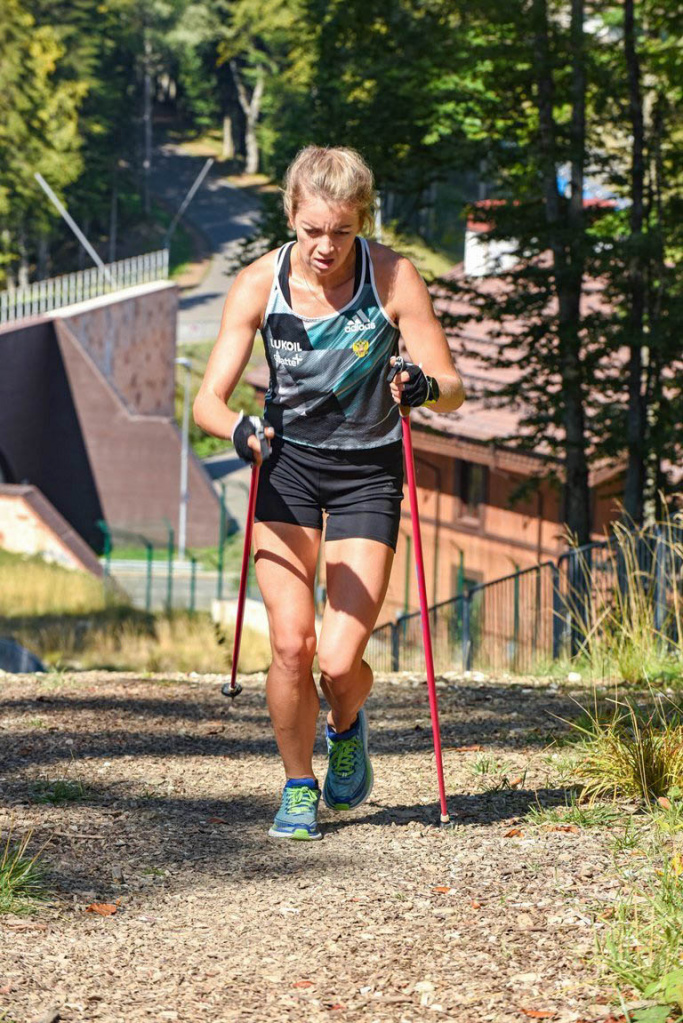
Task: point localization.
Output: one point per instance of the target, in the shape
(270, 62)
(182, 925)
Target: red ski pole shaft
(424, 609)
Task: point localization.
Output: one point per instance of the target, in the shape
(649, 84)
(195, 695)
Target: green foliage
(637, 753)
(577, 814)
(21, 877)
(38, 126)
(614, 605)
(641, 946)
(58, 791)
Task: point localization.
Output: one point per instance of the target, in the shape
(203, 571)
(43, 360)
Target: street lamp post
(184, 496)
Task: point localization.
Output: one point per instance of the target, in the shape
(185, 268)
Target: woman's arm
(242, 316)
(410, 306)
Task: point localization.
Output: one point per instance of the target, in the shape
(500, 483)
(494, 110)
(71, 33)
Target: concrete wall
(40, 435)
(132, 343)
(86, 415)
(29, 524)
(135, 458)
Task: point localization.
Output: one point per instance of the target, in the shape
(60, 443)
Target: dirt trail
(389, 918)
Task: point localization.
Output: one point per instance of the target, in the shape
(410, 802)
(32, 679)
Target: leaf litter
(388, 919)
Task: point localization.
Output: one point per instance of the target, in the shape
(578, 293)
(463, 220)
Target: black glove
(419, 389)
(246, 427)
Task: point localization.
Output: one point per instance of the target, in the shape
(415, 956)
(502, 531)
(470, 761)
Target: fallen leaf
(441, 889)
(216, 820)
(302, 983)
(337, 1005)
(516, 782)
(663, 801)
(513, 833)
(102, 908)
(570, 829)
(474, 904)
(538, 1014)
(5, 990)
(463, 749)
(677, 864)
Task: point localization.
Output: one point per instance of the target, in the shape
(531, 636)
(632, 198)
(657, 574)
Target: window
(471, 479)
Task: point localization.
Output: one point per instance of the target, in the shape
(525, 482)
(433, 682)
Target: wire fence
(57, 292)
(145, 567)
(545, 612)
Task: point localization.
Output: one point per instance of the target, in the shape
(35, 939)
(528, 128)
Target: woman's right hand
(251, 437)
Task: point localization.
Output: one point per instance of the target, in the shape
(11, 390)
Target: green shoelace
(300, 799)
(344, 756)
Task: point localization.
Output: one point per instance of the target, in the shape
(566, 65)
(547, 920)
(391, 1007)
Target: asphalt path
(224, 214)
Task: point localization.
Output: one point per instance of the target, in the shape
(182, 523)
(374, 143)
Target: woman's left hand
(409, 386)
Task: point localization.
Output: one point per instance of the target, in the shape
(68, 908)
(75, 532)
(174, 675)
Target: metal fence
(144, 566)
(508, 623)
(542, 613)
(596, 580)
(57, 292)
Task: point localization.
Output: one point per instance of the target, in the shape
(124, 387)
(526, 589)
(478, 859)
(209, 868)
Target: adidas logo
(360, 322)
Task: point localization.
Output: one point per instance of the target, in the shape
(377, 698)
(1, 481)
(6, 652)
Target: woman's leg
(286, 557)
(357, 578)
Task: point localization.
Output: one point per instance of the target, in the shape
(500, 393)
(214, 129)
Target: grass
(641, 946)
(574, 813)
(430, 261)
(131, 640)
(636, 752)
(623, 633)
(63, 618)
(21, 877)
(58, 791)
(29, 585)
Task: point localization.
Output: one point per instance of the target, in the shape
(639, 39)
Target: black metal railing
(542, 613)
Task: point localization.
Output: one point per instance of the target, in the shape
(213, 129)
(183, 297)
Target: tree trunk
(113, 217)
(251, 109)
(567, 257)
(43, 267)
(23, 274)
(637, 413)
(147, 122)
(228, 151)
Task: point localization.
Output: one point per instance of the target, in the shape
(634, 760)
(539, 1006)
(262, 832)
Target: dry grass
(180, 643)
(63, 617)
(32, 586)
(633, 753)
(21, 878)
(122, 639)
(622, 636)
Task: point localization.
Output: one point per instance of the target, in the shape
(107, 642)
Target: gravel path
(389, 918)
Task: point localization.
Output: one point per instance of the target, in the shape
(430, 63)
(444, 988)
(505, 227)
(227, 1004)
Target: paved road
(225, 214)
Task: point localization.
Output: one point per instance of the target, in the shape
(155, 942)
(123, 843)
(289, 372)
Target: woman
(330, 307)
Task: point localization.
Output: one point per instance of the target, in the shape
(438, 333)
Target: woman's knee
(337, 662)
(293, 649)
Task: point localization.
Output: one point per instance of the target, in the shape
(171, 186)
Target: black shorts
(361, 491)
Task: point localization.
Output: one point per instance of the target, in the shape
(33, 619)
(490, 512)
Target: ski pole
(424, 610)
(233, 688)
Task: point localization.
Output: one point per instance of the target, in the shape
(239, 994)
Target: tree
(38, 130)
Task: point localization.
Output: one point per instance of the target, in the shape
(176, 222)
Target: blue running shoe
(349, 778)
(297, 816)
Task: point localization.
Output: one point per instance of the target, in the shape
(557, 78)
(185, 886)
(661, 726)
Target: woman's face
(325, 234)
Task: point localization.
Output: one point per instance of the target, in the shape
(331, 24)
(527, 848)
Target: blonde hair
(337, 175)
